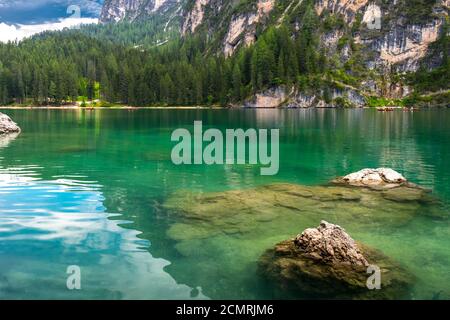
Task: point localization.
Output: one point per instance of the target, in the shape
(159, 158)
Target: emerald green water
(88, 188)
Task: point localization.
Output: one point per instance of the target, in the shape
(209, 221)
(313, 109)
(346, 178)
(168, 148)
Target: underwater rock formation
(242, 224)
(7, 125)
(327, 263)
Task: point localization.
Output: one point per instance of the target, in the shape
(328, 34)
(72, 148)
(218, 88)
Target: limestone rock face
(7, 125)
(330, 243)
(131, 10)
(194, 17)
(272, 98)
(282, 97)
(242, 29)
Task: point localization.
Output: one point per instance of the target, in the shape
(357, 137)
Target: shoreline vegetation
(131, 108)
(115, 107)
(438, 99)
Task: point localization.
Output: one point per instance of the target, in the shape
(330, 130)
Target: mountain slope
(407, 27)
(370, 45)
(299, 53)
(131, 10)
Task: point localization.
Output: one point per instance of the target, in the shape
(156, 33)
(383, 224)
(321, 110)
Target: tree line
(59, 67)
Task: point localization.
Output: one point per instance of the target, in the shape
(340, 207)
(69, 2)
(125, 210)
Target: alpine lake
(98, 189)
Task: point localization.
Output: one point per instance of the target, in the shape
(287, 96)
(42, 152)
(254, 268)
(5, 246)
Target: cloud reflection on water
(47, 225)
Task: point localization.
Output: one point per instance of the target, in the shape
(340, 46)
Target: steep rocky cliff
(131, 10)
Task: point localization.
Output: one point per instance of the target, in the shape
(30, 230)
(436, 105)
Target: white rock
(331, 244)
(7, 125)
(391, 176)
(374, 177)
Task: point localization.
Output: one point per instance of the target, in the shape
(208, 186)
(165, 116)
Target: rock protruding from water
(330, 243)
(325, 262)
(7, 125)
(383, 178)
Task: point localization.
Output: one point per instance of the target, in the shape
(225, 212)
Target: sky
(22, 18)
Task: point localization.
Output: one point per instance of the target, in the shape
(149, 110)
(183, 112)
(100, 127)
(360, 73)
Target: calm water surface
(86, 188)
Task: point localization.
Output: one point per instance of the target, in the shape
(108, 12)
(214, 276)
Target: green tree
(237, 82)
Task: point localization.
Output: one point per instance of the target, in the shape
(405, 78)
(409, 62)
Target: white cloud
(21, 31)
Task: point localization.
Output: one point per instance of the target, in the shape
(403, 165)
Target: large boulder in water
(7, 125)
(330, 243)
(326, 262)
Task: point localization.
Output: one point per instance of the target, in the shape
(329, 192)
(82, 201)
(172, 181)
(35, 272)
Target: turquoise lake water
(88, 188)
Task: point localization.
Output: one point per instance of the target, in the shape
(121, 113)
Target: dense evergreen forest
(100, 63)
(60, 67)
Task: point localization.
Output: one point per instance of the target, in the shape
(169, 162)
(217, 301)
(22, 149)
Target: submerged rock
(406, 194)
(326, 262)
(279, 207)
(7, 125)
(242, 224)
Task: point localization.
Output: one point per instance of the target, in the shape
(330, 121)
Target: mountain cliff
(131, 10)
(370, 45)
(398, 31)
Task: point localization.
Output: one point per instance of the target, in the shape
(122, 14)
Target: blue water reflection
(45, 226)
